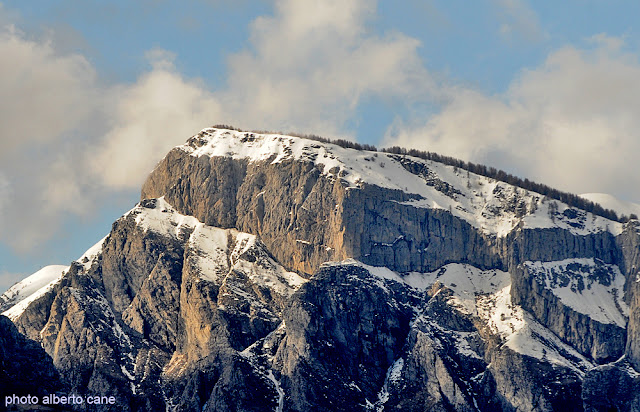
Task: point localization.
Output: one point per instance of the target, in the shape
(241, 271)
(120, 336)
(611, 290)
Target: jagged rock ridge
(447, 291)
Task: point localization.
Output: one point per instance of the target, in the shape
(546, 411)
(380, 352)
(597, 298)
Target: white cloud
(44, 95)
(49, 101)
(161, 59)
(313, 63)
(309, 67)
(67, 140)
(159, 111)
(113, 148)
(518, 18)
(571, 123)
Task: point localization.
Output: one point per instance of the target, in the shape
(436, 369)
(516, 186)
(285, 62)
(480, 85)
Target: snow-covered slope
(20, 295)
(494, 207)
(15, 300)
(211, 247)
(585, 285)
(486, 294)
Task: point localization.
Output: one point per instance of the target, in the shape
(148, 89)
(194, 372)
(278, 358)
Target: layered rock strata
(447, 291)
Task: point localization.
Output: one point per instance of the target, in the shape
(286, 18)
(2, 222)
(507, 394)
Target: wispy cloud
(312, 63)
(44, 94)
(5, 192)
(308, 68)
(156, 113)
(49, 100)
(519, 20)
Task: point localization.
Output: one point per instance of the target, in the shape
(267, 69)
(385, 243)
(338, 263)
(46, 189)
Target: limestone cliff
(269, 272)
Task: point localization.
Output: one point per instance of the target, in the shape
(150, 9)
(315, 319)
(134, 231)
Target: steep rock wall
(629, 244)
(306, 218)
(602, 342)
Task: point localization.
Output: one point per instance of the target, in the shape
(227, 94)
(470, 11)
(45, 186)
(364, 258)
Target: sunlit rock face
(270, 272)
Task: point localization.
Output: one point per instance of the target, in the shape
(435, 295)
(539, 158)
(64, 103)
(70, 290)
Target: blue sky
(94, 94)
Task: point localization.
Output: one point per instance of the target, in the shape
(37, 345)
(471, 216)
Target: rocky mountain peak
(273, 272)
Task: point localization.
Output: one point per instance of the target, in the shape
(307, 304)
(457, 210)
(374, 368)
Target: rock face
(629, 243)
(267, 272)
(619, 380)
(595, 328)
(25, 368)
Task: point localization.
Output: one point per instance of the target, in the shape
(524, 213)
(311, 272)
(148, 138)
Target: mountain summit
(273, 272)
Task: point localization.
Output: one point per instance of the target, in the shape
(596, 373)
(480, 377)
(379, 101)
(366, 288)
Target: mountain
(272, 272)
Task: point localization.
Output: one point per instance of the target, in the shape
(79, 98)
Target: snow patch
(28, 290)
(486, 294)
(126, 373)
(87, 258)
(257, 354)
(393, 375)
(585, 285)
(522, 333)
(20, 295)
(279, 389)
(214, 251)
(160, 217)
(396, 370)
(466, 281)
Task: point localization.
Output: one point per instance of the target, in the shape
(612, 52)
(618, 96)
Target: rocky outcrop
(344, 330)
(612, 387)
(227, 193)
(554, 244)
(448, 360)
(633, 330)
(306, 216)
(242, 339)
(161, 315)
(25, 368)
(88, 342)
(520, 383)
(629, 243)
(533, 289)
(130, 254)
